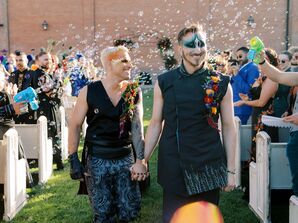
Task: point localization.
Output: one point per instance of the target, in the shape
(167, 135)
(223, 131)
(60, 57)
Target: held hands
(139, 170)
(76, 168)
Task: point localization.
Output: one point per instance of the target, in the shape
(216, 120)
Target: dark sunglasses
(194, 42)
(220, 65)
(282, 61)
(240, 57)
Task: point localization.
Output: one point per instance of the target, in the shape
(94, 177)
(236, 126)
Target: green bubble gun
(256, 46)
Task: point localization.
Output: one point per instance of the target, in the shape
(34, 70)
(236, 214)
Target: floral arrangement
(165, 47)
(211, 98)
(129, 96)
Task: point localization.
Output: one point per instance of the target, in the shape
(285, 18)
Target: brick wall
(91, 25)
(4, 26)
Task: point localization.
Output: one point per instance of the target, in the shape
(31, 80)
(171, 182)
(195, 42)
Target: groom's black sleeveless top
(191, 156)
(103, 118)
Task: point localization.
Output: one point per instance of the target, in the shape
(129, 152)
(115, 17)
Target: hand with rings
(139, 170)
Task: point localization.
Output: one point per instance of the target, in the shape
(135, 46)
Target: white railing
(270, 171)
(12, 175)
(37, 146)
(64, 134)
(293, 210)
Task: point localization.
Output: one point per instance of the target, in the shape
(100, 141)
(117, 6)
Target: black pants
(171, 202)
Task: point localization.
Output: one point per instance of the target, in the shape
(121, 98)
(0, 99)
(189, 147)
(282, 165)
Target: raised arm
(269, 89)
(286, 78)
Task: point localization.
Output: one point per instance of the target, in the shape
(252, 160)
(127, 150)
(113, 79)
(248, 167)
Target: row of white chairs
(270, 171)
(36, 145)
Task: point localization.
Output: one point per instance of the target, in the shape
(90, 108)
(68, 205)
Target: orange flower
(209, 92)
(215, 79)
(214, 110)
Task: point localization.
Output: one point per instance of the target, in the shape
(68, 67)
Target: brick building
(89, 25)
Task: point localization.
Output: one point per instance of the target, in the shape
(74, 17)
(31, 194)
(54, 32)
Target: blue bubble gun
(28, 95)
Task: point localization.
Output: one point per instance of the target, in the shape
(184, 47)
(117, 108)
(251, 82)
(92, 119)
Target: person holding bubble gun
(29, 95)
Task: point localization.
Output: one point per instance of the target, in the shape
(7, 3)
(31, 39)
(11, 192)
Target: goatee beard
(188, 61)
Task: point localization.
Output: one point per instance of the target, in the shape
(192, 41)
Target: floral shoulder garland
(211, 98)
(129, 96)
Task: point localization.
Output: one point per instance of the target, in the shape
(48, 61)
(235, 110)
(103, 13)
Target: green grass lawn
(56, 202)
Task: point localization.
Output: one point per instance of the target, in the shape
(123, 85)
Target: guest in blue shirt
(242, 82)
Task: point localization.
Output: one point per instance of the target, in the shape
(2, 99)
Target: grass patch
(56, 202)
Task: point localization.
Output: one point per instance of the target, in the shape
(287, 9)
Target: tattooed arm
(137, 129)
(139, 169)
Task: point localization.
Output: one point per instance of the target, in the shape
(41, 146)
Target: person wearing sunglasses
(114, 111)
(294, 62)
(221, 64)
(286, 78)
(193, 164)
(280, 103)
(242, 83)
(284, 61)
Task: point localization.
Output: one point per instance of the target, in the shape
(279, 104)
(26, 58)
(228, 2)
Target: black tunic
(191, 156)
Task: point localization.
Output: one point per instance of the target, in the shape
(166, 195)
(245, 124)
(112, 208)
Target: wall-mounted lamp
(45, 25)
(250, 21)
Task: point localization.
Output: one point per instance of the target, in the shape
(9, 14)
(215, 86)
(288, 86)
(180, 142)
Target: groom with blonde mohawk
(114, 111)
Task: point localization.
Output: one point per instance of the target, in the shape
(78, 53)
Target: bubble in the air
(108, 38)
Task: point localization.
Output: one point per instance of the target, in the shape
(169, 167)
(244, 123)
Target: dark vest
(103, 137)
(191, 155)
